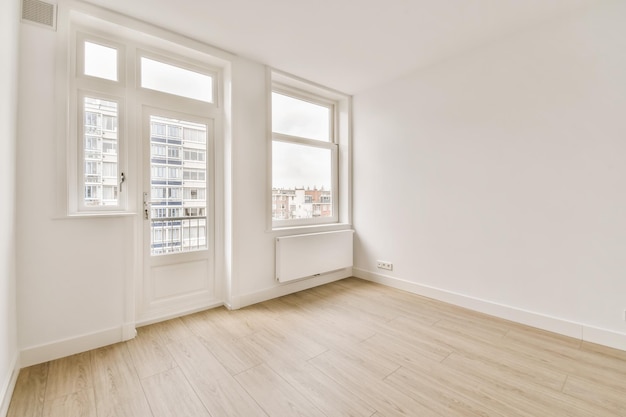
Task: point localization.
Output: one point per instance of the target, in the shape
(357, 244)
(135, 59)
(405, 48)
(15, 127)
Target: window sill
(99, 215)
(313, 228)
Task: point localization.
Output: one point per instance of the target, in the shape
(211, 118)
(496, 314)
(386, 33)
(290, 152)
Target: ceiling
(349, 45)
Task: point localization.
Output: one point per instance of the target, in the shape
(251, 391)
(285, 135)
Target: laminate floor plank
(440, 397)
(77, 404)
(367, 308)
(170, 395)
(503, 367)
(413, 348)
(236, 323)
(172, 330)
(117, 387)
(148, 351)
(369, 389)
(275, 395)
(349, 348)
(30, 392)
(331, 398)
(472, 329)
(69, 375)
(335, 323)
(461, 386)
(568, 359)
(234, 356)
(220, 393)
(584, 389)
(300, 333)
(523, 395)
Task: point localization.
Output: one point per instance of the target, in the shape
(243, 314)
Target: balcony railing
(178, 234)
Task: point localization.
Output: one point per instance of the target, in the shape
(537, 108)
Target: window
(295, 116)
(194, 174)
(171, 79)
(173, 152)
(304, 157)
(194, 136)
(157, 129)
(109, 123)
(189, 198)
(195, 155)
(99, 106)
(174, 173)
(109, 147)
(109, 170)
(158, 171)
(158, 150)
(100, 61)
(99, 153)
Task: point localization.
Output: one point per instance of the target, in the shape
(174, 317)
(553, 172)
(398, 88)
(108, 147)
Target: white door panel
(178, 244)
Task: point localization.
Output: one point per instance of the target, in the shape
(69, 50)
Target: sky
(296, 165)
(102, 61)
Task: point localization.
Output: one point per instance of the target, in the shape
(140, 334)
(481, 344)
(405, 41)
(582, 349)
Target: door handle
(146, 207)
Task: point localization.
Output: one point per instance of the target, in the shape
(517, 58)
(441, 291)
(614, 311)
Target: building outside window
(179, 199)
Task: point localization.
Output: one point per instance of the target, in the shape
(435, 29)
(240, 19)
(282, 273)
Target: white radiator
(312, 254)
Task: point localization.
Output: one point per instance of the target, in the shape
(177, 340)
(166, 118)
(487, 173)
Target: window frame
(331, 145)
(80, 86)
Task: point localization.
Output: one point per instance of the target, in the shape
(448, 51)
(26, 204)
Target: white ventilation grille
(40, 13)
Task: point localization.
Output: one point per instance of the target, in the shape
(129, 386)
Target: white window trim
(339, 143)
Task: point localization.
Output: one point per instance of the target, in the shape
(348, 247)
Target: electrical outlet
(384, 265)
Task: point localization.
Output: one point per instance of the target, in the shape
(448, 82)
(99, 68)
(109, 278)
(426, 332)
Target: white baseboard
(286, 289)
(66, 347)
(9, 385)
(604, 337)
(541, 321)
(159, 316)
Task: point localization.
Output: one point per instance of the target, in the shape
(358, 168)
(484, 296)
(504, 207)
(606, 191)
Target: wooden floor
(350, 348)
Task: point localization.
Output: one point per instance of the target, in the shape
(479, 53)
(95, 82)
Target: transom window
(100, 61)
(172, 79)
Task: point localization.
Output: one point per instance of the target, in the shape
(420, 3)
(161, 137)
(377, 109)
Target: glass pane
(100, 61)
(291, 116)
(100, 157)
(301, 182)
(179, 186)
(170, 79)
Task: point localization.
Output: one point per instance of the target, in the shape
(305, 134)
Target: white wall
(71, 272)
(499, 176)
(9, 33)
(74, 273)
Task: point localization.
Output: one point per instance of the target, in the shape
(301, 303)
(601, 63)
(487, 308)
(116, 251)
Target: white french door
(178, 216)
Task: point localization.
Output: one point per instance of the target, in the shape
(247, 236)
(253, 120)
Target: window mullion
(302, 141)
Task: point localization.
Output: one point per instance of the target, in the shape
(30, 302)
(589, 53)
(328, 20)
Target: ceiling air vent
(40, 13)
